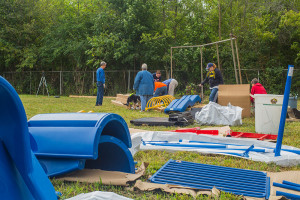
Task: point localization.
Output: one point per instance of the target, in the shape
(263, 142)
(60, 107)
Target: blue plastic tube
(291, 187)
(288, 195)
(291, 183)
(284, 109)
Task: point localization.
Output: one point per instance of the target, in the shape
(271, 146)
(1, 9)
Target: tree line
(75, 35)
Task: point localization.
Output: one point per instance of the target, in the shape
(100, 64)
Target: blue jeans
(144, 100)
(212, 96)
(100, 92)
(161, 91)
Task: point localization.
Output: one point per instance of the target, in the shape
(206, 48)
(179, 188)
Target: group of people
(149, 85)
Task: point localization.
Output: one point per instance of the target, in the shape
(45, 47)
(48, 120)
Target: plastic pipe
(286, 186)
(284, 109)
(288, 195)
(291, 183)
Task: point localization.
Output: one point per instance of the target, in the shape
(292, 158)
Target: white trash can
(267, 113)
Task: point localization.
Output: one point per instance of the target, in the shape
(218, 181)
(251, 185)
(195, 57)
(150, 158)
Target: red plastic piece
(258, 136)
(198, 131)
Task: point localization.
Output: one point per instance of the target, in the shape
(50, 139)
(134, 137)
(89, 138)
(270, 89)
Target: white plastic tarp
(215, 114)
(286, 158)
(99, 195)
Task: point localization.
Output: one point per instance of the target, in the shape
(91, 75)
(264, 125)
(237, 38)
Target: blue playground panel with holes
(180, 105)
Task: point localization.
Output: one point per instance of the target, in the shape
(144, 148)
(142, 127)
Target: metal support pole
(128, 89)
(60, 80)
(258, 75)
(171, 64)
(233, 57)
(218, 56)
(284, 109)
(30, 83)
(238, 61)
(201, 53)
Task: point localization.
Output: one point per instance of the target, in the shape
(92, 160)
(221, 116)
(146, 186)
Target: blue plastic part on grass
(180, 105)
(288, 195)
(202, 176)
(21, 175)
(59, 166)
(63, 142)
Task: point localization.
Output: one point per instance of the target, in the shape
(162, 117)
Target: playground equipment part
(21, 175)
(198, 131)
(162, 101)
(202, 176)
(64, 142)
(180, 105)
(258, 136)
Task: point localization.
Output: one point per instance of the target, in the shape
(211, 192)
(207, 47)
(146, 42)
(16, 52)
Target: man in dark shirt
(100, 83)
(157, 76)
(214, 78)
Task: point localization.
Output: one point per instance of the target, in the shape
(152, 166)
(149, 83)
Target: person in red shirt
(257, 88)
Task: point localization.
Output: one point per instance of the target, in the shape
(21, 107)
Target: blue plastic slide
(21, 175)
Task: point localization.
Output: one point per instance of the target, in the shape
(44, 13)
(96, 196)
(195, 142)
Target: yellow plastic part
(81, 111)
(162, 101)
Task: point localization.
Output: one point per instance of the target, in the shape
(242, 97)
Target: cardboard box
(236, 95)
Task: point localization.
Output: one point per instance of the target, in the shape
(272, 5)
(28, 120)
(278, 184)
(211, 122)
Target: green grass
(41, 104)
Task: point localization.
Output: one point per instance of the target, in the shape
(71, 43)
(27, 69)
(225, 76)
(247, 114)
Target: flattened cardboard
(105, 177)
(236, 95)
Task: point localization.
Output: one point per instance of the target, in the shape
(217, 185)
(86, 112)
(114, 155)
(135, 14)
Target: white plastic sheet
(99, 195)
(215, 114)
(286, 158)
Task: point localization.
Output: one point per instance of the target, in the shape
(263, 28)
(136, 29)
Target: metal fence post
(30, 83)
(128, 89)
(60, 80)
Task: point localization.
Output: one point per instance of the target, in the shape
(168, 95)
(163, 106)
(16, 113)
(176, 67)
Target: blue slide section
(21, 175)
(64, 142)
(180, 105)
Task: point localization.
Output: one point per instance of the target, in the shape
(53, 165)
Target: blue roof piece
(180, 105)
(61, 140)
(22, 177)
(202, 176)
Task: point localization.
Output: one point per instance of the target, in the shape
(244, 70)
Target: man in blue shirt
(100, 83)
(144, 86)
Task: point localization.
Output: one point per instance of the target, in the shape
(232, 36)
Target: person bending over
(257, 88)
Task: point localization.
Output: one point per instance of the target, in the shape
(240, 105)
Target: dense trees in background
(76, 34)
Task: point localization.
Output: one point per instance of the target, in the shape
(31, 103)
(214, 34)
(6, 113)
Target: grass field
(41, 104)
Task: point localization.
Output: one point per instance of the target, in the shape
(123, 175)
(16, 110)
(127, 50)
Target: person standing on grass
(257, 88)
(144, 86)
(214, 78)
(100, 83)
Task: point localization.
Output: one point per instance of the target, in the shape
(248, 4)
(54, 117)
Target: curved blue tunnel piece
(101, 140)
(21, 176)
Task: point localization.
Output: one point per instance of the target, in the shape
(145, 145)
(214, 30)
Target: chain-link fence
(118, 81)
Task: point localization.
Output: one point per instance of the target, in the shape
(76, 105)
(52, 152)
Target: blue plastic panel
(202, 176)
(21, 176)
(63, 141)
(113, 156)
(75, 135)
(58, 166)
(180, 105)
